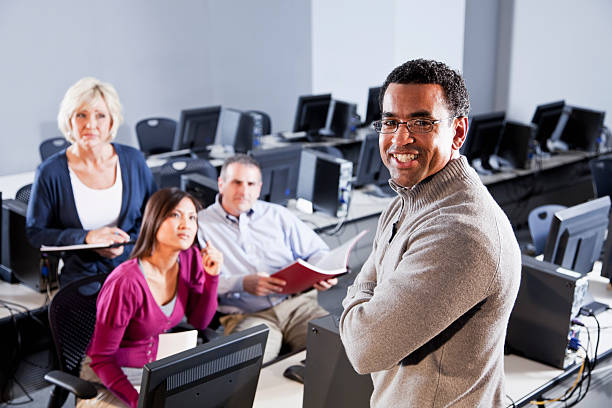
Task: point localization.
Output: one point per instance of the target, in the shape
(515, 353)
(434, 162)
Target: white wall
(161, 56)
(480, 53)
(355, 44)
(560, 50)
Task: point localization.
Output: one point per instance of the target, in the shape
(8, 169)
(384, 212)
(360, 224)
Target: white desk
(13, 182)
(22, 295)
(276, 391)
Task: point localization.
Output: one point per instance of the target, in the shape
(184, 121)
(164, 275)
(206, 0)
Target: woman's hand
(107, 235)
(212, 259)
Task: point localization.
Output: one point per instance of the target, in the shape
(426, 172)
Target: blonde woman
(92, 192)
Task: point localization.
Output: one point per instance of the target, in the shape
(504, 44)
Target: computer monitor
(606, 264)
(311, 112)
(279, 172)
(235, 130)
(221, 373)
(197, 128)
(515, 147)
(343, 119)
(550, 120)
(369, 164)
(484, 135)
(583, 129)
(373, 106)
(204, 189)
(577, 234)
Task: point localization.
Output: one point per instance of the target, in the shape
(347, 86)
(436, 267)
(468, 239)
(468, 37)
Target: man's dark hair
(239, 158)
(421, 71)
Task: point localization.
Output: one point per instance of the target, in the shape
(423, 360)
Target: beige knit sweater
(427, 314)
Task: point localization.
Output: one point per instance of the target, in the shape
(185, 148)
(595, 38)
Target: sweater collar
(437, 185)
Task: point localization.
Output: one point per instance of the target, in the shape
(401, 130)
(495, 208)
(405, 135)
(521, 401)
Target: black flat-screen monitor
(516, 144)
(606, 264)
(279, 172)
(203, 188)
(222, 373)
(343, 122)
(484, 135)
(197, 128)
(550, 119)
(369, 164)
(311, 112)
(373, 106)
(577, 234)
(583, 129)
(235, 130)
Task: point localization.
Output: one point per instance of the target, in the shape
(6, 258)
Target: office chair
(50, 146)
(23, 194)
(263, 120)
(169, 174)
(155, 135)
(72, 318)
(539, 220)
(601, 171)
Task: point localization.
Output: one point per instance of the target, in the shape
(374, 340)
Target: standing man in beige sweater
(427, 314)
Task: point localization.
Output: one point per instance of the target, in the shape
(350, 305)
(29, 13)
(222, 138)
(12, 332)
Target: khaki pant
(105, 398)
(288, 322)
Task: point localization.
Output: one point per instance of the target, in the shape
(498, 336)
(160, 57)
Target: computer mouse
(295, 373)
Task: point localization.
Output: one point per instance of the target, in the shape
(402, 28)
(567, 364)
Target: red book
(301, 275)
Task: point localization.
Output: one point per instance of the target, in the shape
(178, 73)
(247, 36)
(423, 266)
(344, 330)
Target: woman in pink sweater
(166, 278)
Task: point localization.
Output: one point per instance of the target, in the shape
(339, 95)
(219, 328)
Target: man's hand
(325, 284)
(262, 284)
(212, 259)
(107, 235)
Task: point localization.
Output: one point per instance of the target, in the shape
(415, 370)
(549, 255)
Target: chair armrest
(79, 387)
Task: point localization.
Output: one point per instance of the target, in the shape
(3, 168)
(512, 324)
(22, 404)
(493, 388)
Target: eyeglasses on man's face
(416, 125)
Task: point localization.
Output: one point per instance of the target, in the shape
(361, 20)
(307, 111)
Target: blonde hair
(86, 90)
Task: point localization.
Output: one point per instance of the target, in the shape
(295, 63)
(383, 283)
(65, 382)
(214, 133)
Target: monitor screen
(221, 373)
(311, 112)
(483, 138)
(577, 234)
(279, 172)
(369, 164)
(373, 107)
(515, 144)
(197, 128)
(583, 129)
(550, 120)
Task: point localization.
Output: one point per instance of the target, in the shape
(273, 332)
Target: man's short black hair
(239, 158)
(421, 71)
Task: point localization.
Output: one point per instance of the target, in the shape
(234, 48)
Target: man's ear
(461, 128)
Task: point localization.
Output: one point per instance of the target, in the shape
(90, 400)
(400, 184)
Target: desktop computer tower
(330, 381)
(19, 258)
(344, 120)
(548, 299)
(325, 181)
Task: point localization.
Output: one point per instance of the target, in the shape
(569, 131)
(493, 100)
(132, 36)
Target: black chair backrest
(266, 122)
(601, 171)
(155, 135)
(23, 194)
(72, 317)
(51, 146)
(170, 172)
